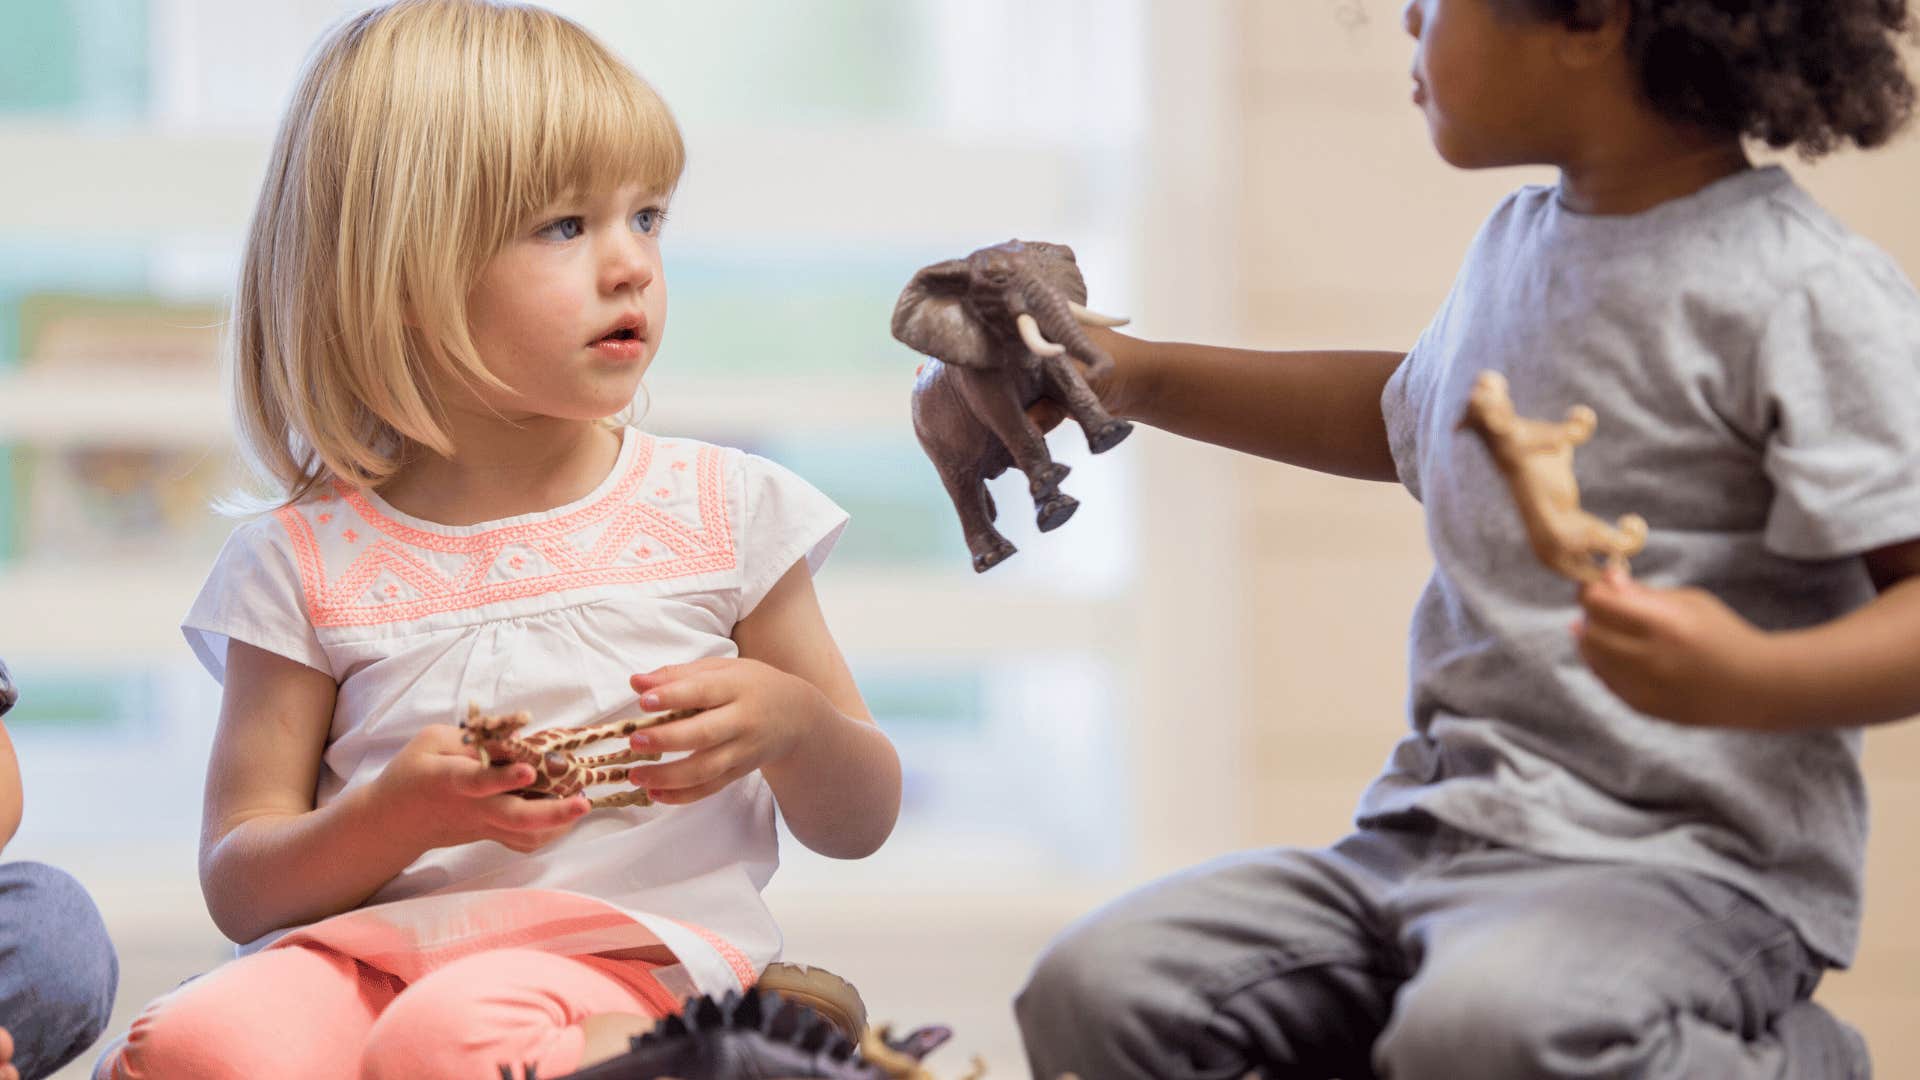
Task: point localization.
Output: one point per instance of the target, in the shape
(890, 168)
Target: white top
(550, 613)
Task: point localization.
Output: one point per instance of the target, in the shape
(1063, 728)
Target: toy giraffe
(557, 771)
(1536, 457)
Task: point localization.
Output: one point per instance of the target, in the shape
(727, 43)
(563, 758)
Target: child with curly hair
(1628, 849)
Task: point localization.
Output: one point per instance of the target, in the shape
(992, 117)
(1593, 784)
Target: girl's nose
(625, 265)
(1410, 17)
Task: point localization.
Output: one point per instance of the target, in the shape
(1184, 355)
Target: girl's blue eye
(648, 220)
(567, 228)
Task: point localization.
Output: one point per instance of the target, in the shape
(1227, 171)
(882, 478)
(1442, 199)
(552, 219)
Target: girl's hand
(1678, 654)
(437, 790)
(753, 715)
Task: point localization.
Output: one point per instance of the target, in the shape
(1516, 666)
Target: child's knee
(181, 1036)
(512, 1007)
(1092, 969)
(58, 983)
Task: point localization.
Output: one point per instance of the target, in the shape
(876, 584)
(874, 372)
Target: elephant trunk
(1050, 309)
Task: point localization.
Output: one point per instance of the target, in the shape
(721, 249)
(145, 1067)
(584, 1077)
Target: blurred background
(1209, 657)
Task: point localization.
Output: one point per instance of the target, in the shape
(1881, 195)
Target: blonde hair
(422, 136)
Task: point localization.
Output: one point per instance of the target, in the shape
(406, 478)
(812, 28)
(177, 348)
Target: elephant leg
(1066, 385)
(974, 504)
(992, 398)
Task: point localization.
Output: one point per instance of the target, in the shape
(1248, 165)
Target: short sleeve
(1838, 393)
(1399, 410)
(253, 594)
(784, 519)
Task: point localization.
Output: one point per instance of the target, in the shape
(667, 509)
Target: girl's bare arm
(840, 789)
(267, 858)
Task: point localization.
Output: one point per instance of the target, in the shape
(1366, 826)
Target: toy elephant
(1002, 328)
(8, 695)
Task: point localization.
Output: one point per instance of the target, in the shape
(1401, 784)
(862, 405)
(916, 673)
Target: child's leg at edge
(297, 1013)
(58, 971)
(514, 1007)
(1261, 960)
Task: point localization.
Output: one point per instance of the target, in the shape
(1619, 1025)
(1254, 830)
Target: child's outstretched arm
(1317, 410)
(1682, 655)
(269, 859)
(788, 707)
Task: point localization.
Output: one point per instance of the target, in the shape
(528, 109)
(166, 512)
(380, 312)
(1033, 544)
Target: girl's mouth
(623, 345)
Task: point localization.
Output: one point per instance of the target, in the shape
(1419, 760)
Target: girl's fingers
(682, 796)
(693, 771)
(477, 781)
(518, 815)
(710, 728)
(648, 680)
(705, 690)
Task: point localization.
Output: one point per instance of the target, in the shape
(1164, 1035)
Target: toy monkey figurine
(1536, 457)
(1003, 330)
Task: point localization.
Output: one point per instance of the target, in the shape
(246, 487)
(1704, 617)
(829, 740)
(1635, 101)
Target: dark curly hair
(1810, 74)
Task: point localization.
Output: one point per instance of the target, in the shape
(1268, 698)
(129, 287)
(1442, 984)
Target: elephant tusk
(1094, 318)
(1030, 333)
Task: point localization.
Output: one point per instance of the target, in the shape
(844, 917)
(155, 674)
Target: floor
(962, 975)
(917, 959)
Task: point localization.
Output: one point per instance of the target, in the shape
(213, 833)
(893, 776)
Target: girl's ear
(1597, 34)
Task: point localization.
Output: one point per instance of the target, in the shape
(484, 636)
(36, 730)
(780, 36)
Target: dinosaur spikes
(839, 1048)
(748, 1013)
(706, 1014)
(814, 1038)
(786, 1019)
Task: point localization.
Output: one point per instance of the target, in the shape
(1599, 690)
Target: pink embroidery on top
(419, 558)
(743, 968)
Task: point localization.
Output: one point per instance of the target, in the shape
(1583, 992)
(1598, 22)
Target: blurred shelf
(134, 613)
(740, 189)
(131, 406)
(113, 406)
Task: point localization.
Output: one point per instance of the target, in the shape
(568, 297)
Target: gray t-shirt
(1756, 371)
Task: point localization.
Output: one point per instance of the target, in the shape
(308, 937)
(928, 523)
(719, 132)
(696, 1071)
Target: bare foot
(608, 1035)
(7, 1071)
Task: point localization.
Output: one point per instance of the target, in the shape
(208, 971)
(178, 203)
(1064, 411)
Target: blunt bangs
(571, 119)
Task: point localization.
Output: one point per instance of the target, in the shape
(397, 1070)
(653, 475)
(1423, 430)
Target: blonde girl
(452, 282)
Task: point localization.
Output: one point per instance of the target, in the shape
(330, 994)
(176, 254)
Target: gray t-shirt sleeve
(1836, 401)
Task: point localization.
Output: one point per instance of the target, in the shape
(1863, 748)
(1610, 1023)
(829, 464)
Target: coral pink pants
(306, 1012)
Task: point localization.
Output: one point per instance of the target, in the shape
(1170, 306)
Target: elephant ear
(930, 318)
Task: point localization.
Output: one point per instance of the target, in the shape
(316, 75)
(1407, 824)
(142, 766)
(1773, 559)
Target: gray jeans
(58, 970)
(1427, 954)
